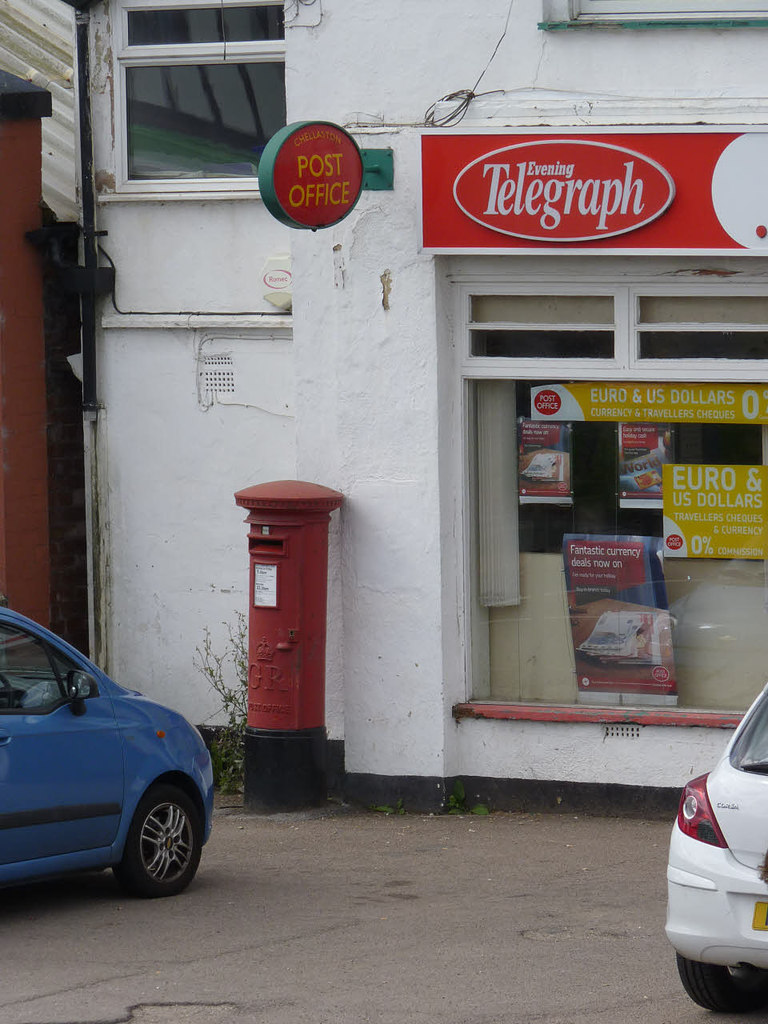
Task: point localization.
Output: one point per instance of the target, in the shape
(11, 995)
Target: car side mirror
(80, 686)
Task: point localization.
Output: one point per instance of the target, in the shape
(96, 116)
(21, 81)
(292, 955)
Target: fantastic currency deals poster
(544, 463)
(620, 623)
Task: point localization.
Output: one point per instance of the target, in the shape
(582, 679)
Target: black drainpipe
(88, 280)
(90, 251)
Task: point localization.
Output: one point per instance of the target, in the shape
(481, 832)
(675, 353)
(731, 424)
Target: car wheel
(724, 989)
(164, 843)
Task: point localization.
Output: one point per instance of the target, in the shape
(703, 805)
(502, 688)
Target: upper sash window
(203, 90)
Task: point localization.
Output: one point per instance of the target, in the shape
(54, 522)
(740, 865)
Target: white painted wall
(178, 557)
(178, 257)
(366, 385)
(388, 63)
(189, 270)
(586, 752)
(371, 408)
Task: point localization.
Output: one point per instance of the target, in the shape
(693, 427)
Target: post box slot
(268, 545)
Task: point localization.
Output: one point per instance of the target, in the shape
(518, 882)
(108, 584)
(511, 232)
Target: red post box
(285, 737)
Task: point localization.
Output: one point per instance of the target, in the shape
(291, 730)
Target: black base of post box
(284, 770)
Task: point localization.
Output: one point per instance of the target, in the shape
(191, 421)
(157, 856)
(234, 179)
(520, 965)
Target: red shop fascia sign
(672, 192)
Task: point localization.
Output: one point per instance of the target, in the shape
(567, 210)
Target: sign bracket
(378, 170)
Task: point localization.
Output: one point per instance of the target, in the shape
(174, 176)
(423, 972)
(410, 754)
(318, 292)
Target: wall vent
(630, 732)
(254, 371)
(217, 375)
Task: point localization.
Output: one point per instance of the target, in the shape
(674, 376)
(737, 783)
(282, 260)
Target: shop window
(204, 90)
(555, 498)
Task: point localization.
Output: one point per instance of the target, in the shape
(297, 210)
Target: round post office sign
(311, 174)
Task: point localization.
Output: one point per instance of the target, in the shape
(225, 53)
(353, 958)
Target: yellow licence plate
(760, 917)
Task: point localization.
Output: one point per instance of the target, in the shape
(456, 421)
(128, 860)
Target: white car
(717, 909)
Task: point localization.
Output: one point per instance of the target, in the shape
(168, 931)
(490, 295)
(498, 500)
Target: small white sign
(277, 279)
(264, 586)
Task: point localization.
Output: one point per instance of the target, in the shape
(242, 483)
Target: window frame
(466, 279)
(664, 11)
(627, 327)
(180, 54)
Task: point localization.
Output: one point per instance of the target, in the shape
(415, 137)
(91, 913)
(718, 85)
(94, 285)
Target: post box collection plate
(264, 585)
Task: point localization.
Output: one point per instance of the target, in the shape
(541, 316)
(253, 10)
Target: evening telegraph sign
(563, 190)
(672, 192)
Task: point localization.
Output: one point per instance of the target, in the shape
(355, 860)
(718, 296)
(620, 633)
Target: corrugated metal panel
(37, 44)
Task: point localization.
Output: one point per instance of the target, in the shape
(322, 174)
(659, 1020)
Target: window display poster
(715, 511)
(544, 462)
(650, 403)
(620, 622)
(644, 449)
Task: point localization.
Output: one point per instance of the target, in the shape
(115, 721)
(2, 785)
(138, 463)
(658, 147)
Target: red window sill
(607, 716)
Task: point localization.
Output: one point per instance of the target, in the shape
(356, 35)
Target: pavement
(342, 916)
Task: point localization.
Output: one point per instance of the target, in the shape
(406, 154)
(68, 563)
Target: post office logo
(563, 190)
(547, 402)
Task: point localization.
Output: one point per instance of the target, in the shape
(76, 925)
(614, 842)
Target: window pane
(752, 746)
(206, 120)
(204, 25)
(525, 647)
(28, 680)
(543, 344)
(673, 8)
(243, 24)
(703, 309)
(147, 28)
(542, 309)
(731, 444)
(704, 345)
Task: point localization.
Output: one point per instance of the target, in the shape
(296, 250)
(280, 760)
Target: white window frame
(626, 361)
(267, 51)
(653, 10)
(505, 276)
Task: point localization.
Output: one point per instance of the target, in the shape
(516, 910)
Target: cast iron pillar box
(285, 737)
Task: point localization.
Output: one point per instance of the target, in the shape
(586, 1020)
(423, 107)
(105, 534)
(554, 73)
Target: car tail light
(695, 817)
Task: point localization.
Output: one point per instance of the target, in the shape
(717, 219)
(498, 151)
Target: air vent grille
(217, 374)
(630, 732)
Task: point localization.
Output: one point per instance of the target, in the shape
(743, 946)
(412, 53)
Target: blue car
(93, 775)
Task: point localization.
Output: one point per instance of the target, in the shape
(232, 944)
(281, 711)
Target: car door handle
(4, 738)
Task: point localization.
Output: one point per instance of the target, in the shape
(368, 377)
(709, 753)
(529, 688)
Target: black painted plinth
(284, 770)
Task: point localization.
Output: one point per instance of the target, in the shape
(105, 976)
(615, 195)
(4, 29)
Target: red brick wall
(24, 548)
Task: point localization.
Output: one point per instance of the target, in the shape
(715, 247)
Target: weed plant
(227, 747)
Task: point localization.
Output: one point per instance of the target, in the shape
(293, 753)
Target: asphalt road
(347, 917)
